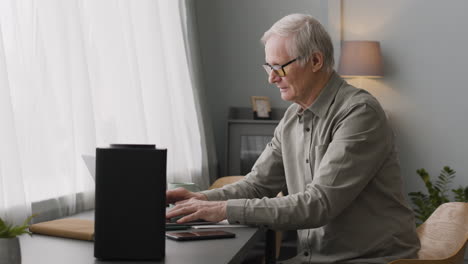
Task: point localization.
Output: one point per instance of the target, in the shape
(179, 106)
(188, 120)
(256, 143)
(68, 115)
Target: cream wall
(424, 88)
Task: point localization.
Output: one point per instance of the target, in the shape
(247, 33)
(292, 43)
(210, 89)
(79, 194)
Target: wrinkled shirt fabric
(338, 161)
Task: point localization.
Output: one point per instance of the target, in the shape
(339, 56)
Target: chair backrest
(444, 234)
(220, 182)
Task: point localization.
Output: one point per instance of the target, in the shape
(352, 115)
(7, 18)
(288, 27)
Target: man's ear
(317, 61)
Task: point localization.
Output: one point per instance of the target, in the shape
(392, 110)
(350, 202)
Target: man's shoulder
(289, 115)
(349, 97)
(291, 110)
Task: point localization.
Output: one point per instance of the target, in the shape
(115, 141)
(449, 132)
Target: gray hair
(306, 36)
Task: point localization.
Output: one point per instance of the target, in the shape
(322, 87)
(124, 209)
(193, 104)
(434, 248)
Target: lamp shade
(360, 59)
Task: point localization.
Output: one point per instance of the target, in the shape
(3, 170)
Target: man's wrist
(236, 212)
(201, 196)
(224, 209)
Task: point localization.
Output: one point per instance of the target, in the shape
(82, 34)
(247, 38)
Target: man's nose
(273, 77)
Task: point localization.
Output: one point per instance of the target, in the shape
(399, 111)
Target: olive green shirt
(338, 161)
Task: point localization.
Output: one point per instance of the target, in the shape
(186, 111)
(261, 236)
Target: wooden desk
(55, 250)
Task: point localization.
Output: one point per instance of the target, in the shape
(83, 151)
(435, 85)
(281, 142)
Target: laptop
(90, 162)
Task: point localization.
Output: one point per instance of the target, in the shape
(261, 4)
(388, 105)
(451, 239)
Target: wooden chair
(443, 236)
(220, 182)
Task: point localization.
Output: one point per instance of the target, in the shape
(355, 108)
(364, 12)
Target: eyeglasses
(278, 69)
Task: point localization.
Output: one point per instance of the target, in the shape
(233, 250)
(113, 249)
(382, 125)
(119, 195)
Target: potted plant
(10, 251)
(437, 193)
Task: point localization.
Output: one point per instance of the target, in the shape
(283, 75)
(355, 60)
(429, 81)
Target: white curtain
(192, 48)
(78, 74)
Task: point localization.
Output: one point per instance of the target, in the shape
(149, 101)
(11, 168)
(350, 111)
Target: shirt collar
(323, 102)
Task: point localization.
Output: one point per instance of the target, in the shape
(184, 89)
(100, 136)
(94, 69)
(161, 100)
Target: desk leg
(270, 247)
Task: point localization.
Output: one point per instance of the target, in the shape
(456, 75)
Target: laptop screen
(90, 162)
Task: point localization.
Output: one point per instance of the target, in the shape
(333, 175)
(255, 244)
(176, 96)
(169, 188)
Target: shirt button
(307, 129)
(306, 253)
(307, 160)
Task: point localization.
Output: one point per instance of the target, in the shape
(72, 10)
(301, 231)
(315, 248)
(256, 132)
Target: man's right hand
(181, 194)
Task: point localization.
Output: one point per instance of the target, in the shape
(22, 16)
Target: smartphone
(198, 235)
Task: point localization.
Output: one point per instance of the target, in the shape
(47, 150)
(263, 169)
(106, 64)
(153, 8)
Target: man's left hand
(194, 209)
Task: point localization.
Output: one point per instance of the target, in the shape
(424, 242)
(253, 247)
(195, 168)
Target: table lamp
(360, 59)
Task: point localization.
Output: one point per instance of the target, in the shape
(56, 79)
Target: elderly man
(333, 150)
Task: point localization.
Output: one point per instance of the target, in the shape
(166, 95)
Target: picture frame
(261, 107)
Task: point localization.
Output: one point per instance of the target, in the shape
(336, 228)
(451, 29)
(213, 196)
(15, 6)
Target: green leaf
(4, 233)
(2, 224)
(10, 231)
(26, 222)
(424, 175)
(461, 194)
(437, 193)
(445, 178)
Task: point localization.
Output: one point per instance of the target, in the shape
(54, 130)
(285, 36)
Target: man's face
(296, 86)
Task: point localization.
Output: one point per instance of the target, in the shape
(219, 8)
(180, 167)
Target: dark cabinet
(247, 138)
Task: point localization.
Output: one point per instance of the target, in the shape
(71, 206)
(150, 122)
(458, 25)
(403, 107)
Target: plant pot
(10, 251)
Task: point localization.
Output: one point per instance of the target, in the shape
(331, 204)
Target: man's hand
(181, 194)
(194, 209)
